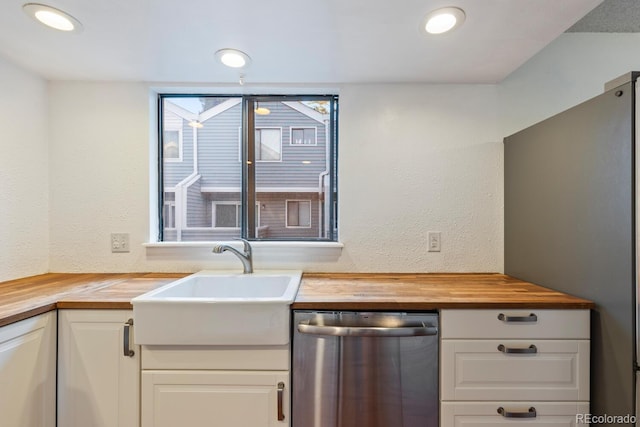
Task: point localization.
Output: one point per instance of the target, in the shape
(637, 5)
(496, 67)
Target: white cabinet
(504, 366)
(230, 386)
(28, 372)
(483, 414)
(98, 384)
(205, 398)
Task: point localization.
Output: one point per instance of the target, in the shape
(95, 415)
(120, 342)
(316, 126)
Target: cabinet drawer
(495, 370)
(483, 414)
(517, 324)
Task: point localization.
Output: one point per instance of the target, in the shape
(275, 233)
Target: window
(303, 136)
(229, 214)
(299, 213)
(268, 144)
(169, 214)
(171, 143)
(277, 191)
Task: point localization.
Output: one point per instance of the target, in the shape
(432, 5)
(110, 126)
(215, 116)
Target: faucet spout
(246, 256)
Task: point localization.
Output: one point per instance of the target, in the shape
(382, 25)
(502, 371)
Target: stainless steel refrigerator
(571, 218)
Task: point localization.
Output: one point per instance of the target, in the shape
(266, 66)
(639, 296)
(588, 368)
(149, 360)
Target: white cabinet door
(98, 385)
(215, 398)
(28, 372)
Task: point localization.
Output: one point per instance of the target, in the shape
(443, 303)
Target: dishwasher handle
(306, 327)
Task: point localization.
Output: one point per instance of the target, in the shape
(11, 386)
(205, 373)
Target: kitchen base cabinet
(509, 367)
(98, 376)
(28, 372)
(230, 386)
(221, 398)
(516, 414)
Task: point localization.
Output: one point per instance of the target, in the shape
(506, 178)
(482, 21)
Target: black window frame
(248, 190)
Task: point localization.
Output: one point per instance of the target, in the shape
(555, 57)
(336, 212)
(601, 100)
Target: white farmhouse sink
(218, 308)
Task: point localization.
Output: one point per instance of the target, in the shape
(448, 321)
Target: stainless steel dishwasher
(365, 369)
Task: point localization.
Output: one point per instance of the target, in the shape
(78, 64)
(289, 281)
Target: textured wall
(24, 181)
(413, 159)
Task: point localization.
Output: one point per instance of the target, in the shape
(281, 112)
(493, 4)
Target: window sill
(271, 254)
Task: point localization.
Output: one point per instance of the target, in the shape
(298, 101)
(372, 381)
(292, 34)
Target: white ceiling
(289, 41)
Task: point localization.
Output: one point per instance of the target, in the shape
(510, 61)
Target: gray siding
(291, 172)
(170, 235)
(208, 235)
(196, 210)
(176, 171)
(219, 150)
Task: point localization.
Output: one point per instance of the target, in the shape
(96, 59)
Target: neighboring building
(202, 171)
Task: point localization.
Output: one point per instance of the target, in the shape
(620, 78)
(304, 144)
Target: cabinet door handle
(529, 350)
(280, 401)
(127, 345)
(531, 413)
(522, 319)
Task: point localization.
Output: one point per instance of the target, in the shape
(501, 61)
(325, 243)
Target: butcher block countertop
(349, 291)
(34, 295)
(23, 298)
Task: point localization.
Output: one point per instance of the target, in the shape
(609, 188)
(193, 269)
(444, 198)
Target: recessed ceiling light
(52, 17)
(443, 20)
(233, 58)
(196, 124)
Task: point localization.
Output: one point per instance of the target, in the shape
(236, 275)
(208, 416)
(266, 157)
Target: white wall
(413, 159)
(24, 181)
(99, 174)
(570, 70)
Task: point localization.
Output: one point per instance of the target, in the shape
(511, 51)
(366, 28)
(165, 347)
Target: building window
(303, 136)
(229, 214)
(299, 213)
(169, 214)
(211, 196)
(172, 144)
(268, 145)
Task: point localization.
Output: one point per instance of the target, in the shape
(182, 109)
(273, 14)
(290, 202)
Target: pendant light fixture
(261, 111)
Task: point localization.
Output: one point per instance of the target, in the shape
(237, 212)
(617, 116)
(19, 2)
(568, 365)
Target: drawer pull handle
(529, 350)
(531, 413)
(509, 319)
(127, 345)
(280, 401)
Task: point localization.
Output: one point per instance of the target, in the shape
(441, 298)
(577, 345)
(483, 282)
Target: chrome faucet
(245, 256)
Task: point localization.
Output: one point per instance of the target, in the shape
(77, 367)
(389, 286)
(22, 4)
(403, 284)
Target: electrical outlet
(120, 242)
(434, 241)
